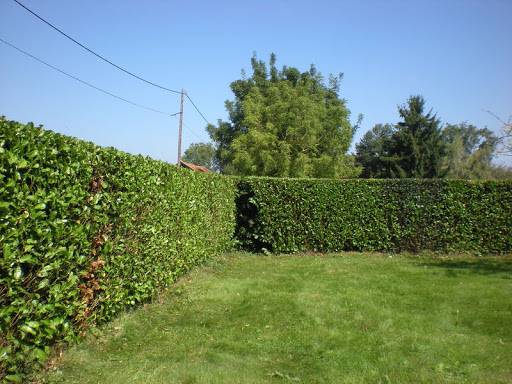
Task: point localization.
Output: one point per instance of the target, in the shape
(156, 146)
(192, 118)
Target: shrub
(87, 231)
(288, 215)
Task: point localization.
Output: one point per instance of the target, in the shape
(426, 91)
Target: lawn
(338, 318)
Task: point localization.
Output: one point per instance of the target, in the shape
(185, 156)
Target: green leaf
(40, 206)
(6, 251)
(14, 378)
(18, 273)
(39, 354)
(23, 164)
(27, 329)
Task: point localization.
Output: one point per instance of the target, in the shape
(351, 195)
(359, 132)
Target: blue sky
(457, 54)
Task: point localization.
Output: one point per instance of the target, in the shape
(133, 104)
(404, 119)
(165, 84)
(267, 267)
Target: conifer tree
(417, 147)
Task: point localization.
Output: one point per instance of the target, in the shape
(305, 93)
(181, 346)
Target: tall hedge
(287, 215)
(87, 231)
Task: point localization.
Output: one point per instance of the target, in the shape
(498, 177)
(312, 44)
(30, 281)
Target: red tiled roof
(194, 167)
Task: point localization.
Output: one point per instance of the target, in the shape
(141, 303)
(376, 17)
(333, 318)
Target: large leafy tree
(285, 123)
(468, 151)
(201, 154)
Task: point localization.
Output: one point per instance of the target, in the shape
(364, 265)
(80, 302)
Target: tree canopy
(201, 154)
(416, 144)
(506, 138)
(418, 147)
(411, 148)
(468, 151)
(285, 123)
(373, 151)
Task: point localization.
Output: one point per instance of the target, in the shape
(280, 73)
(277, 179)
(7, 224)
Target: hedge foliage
(87, 231)
(288, 215)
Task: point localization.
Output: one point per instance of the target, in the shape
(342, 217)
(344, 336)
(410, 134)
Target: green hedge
(288, 215)
(87, 231)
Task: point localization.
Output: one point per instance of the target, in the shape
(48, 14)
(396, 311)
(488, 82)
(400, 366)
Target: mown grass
(344, 318)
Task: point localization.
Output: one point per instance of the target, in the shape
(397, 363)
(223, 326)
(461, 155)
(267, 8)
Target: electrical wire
(107, 60)
(93, 52)
(86, 83)
(197, 109)
(193, 132)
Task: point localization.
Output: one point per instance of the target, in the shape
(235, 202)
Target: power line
(197, 109)
(86, 83)
(107, 60)
(93, 52)
(192, 132)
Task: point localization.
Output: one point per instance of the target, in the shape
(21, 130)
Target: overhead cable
(193, 132)
(86, 83)
(93, 52)
(197, 109)
(101, 57)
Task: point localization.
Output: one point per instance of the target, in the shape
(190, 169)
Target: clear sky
(456, 53)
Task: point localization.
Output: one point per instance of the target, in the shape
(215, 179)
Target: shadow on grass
(494, 266)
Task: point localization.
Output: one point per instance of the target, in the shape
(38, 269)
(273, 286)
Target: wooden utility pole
(181, 126)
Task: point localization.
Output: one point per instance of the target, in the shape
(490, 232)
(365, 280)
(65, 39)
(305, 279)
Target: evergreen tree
(373, 152)
(417, 147)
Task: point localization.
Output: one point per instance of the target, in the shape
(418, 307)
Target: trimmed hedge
(289, 215)
(87, 231)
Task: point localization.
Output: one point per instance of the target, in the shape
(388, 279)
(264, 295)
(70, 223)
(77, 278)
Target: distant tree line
(419, 147)
(287, 123)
